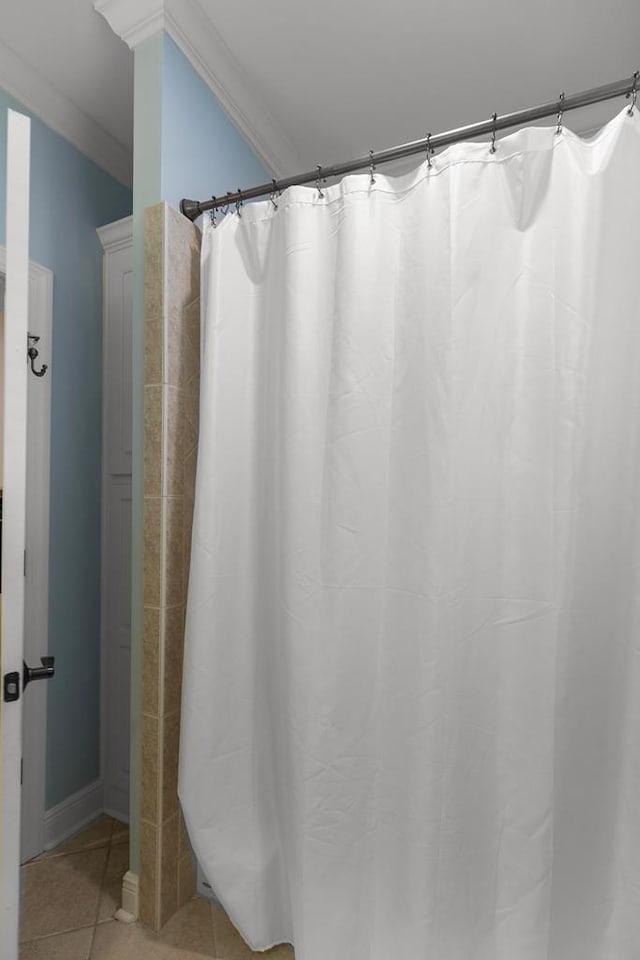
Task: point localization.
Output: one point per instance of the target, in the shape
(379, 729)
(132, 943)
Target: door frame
(36, 614)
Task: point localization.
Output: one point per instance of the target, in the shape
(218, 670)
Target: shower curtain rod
(628, 87)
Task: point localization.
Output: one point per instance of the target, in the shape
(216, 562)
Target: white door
(13, 523)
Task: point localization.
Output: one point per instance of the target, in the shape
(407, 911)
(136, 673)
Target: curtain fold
(411, 701)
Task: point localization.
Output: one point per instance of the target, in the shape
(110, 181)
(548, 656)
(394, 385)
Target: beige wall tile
(149, 840)
(183, 262)
(171, 743)
(151, 661)
(152, 352)
(173, 462)
(153, 260)
(153, 402)
(169, 869)
(186, 879)
(173, 551)
(152, 528)
(184, 847)
(173, 349)
(173, 656)
(150, 769)
(191, 341)
(172, 361)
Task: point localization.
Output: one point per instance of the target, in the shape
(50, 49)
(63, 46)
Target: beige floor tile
(120, 832)
(117, 866)
(190, 928)
(187, 936)
(124, 941)
(64, 946)
(97, 834)
(229, 945)
(62, 893)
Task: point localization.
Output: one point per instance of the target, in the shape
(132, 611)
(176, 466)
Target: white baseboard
(128, 912)
(74, 813)
(116, 814)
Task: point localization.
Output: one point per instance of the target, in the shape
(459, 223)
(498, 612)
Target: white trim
(15, 503)
(115, 814)
(114, 236)
(36, 94)
(128, 912)
(74, 813)
(190, 27)
(37, 545)
(116, 239)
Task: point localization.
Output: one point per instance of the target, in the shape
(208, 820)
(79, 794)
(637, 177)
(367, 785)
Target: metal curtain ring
(493, 135)
(372, 167)
(212, 213)
(272, 195)
(429, 151)
(560, 114)
(634, 93)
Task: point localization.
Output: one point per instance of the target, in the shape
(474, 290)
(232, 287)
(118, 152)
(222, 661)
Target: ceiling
(339, 78)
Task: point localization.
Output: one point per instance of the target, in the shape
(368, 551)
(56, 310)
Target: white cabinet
(116, 239)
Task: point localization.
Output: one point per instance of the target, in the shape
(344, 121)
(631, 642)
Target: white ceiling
(340, 77)
(61, 59)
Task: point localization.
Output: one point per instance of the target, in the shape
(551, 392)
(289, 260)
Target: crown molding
(133, 20)
(36, 94)
(114, 236)
(194, 33)
(192, 30)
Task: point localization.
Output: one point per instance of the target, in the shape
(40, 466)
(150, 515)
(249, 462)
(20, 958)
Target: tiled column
(172, 379)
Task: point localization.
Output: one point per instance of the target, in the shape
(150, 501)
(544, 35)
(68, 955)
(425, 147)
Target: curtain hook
(272, 197)
(493, 135)
(212, 213)
(318, 187)
(239, 201)
(634, 93)
(560, 114)
(429, 151)
(372, 167)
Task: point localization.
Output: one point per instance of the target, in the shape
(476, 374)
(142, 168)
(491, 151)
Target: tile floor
(71, 894)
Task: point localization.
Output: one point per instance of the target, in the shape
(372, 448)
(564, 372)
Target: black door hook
(32, 354)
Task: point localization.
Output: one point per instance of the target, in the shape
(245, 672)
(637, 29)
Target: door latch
(11, 686)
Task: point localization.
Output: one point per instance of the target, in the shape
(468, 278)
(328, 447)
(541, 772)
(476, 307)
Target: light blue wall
(203, 153)
(70, 197)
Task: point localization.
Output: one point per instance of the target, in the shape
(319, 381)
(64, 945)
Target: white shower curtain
(411, 708)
